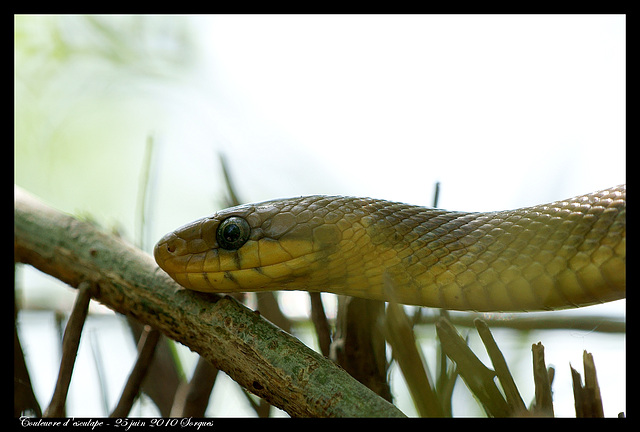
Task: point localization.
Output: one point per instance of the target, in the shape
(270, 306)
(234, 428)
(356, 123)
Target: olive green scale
(564, 254)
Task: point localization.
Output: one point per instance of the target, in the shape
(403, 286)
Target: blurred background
(504, 111)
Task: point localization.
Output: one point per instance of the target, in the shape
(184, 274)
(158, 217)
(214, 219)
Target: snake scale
(564, 254)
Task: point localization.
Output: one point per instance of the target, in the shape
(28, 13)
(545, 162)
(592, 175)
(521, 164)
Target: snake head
(269, 245)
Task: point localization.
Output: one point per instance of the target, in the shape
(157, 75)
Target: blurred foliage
(88, 91)
(133, 45)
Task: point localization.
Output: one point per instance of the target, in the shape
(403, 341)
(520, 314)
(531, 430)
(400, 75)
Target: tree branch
(262, 358)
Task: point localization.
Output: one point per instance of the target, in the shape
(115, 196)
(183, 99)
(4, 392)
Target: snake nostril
(171, 248)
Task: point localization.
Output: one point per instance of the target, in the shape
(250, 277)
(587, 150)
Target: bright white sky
(504, 111)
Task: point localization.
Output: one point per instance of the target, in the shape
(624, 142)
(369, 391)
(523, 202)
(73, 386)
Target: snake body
(564, 254)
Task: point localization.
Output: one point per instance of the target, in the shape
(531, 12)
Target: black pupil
(231, 232)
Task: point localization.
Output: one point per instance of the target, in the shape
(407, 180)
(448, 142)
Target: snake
(564, 254)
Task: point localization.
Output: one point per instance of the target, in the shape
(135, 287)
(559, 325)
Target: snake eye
(232, 233)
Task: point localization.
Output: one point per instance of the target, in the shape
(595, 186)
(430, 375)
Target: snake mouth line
(273, 276)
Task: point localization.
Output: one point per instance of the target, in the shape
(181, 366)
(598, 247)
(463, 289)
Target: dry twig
(70, 344)
(587, 397)
(542, 378)
(147, 346)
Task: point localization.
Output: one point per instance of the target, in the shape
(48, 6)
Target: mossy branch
(259, 356)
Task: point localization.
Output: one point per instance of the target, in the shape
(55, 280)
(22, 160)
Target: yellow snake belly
(564, 254)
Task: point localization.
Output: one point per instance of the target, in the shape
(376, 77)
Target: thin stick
(436, 195)
(319, 319)
(588, 401)
(192, 400)
(587, 323)
(24, 399)
(591, 384)
(231, 190)
(141, 210)
(147, 344)
(502, 370)
(399, 333)
(70, 343)
(475, 374)
(544, 400)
